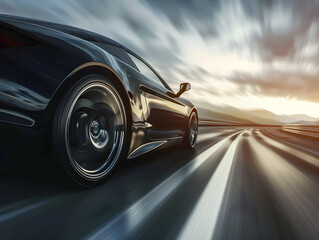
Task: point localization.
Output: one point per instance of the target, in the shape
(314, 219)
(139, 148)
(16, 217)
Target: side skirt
(146, 148)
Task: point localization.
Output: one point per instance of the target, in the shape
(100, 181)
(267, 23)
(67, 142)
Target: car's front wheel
(90, 130)
(191, 133)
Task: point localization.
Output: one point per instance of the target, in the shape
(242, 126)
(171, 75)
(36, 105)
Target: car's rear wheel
(90, 130)
(191, 133)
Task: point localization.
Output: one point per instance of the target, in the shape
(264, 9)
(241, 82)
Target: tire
(191, 131)
(90, 130)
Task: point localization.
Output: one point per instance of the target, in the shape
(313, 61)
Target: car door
(166, 116)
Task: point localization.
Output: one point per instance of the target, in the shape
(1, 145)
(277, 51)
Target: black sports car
(88, 99)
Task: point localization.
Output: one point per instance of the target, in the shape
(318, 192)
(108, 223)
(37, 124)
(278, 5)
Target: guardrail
(219, 122)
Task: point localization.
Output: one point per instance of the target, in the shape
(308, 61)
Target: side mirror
(183, 88)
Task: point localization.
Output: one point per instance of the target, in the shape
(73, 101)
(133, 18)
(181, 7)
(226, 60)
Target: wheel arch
(194, 109)
(90, 69)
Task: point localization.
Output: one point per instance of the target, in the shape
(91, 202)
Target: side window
(145, 70)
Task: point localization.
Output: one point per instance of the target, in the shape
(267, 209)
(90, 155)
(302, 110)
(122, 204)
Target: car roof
(74, 31)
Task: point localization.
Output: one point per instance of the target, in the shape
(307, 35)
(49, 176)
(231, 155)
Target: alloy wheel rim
(95, 130)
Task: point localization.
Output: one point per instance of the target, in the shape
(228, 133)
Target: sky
(248, 54)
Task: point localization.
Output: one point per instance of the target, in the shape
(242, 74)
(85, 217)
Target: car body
(40, 61)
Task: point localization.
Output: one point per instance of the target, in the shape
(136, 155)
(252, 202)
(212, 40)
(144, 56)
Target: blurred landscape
(233, 115)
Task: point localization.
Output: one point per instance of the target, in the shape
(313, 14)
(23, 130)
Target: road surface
(238, 183)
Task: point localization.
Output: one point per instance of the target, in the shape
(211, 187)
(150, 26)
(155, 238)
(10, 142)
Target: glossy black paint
(33, 77)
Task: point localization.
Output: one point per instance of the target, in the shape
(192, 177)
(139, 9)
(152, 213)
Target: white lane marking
(296, 193)
(202, 221)
(20, 211)
(130, 219)
(205, 136)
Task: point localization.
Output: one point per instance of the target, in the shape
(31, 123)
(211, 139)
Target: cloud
(199, 13)
(284, 24)
(294, 85)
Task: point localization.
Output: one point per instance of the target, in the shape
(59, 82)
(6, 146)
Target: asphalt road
(238, 183)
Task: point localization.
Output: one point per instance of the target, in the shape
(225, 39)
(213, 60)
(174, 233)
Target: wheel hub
(95, 128)
(98, 134)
